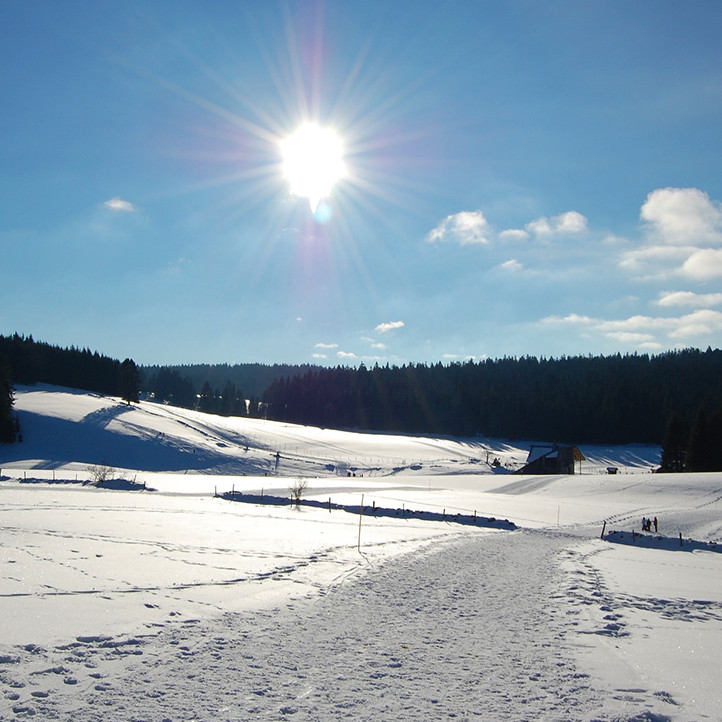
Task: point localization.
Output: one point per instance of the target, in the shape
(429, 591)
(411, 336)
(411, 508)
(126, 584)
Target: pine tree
(714, 436)
(206, 401)
(9, 425)
(129, 382)
(698, 454)
(674, 446)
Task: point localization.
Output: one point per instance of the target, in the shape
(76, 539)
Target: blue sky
(521, 178)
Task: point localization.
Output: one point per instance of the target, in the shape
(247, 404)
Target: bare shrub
(100, 473)
(297, 489)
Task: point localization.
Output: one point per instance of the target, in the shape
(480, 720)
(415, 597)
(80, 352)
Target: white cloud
(326, 345)
(704, 264)
(688, 298)
(630, 337)
(389, 326)
(698, 323)
(514, 234)
(566, 223)
(464, 228)
(511, 265)
(345, 354)
(680, 216)
(319, 355)
(645, 329)
(681, 225)
(571, 318)
(118, 205)
(649, 258)
(570, 222)
(380, 346)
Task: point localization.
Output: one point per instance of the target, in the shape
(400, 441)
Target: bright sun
(312, 162)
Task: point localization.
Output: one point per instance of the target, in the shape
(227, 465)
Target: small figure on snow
(655, 524)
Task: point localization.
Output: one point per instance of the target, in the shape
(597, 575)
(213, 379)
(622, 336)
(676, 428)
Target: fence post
(603, 528)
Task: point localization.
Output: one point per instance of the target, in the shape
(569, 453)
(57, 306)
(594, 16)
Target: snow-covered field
(152, 598)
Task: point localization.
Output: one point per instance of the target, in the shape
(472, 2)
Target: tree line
(592, 399)
(253, 378)
(673, 399)
(27, 361)
(223, 389)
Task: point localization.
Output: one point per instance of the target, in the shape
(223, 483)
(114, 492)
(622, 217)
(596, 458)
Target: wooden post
(360, 516)
(603, 528)
(680, 539)
(329, 504)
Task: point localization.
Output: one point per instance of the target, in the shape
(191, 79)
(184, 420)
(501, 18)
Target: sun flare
(313, 162)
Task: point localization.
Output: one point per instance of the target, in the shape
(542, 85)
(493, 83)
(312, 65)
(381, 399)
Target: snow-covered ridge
(66, 429)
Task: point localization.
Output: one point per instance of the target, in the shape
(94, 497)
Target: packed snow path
(473, 628)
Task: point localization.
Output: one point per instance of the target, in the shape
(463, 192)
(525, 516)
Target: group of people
(647, 524)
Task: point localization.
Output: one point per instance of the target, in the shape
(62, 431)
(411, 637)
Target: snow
(154, 598)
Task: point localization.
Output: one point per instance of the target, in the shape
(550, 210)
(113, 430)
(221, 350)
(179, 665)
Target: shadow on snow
(374, 511)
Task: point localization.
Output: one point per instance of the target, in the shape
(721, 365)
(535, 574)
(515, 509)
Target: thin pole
(360, 516)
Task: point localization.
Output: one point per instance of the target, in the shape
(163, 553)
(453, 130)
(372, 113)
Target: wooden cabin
(551, 459)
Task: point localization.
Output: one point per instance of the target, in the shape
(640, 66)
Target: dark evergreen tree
(699, 448)
(9, 424)
(674, 446)
(207, 399)
(714, 438)
(168, 386)
(129, 382)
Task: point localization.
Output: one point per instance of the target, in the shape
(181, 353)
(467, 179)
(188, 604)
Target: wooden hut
(551, 459)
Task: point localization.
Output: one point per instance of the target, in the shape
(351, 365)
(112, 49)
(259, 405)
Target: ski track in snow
(478, 628)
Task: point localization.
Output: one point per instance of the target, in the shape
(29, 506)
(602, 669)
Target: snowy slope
(123, 603)
(68, 429)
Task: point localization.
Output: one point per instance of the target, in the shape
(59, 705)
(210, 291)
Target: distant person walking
(655, 524)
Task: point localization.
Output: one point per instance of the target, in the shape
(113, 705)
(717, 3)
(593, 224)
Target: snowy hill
(160, 600)
(66, 429)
